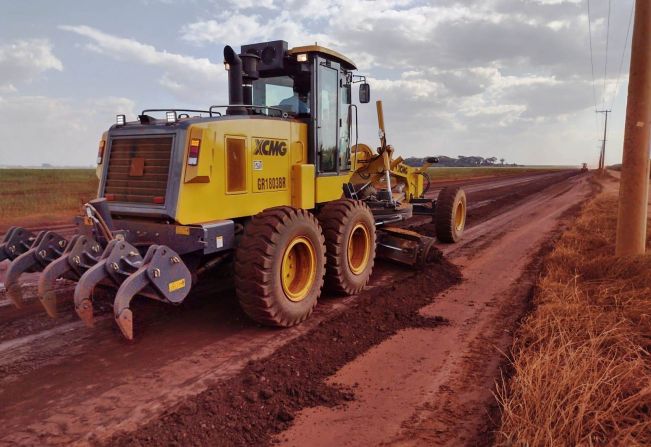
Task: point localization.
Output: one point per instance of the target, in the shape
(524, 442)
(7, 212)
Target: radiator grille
(128, 180)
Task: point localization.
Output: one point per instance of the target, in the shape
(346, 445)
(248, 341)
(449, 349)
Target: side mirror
(432, 160)
(364, 93)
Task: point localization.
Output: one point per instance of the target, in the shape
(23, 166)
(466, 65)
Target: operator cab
(310, 84)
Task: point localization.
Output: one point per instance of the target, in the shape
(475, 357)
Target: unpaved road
(410, 379)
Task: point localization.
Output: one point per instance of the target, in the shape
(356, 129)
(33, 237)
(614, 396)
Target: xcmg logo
(270, 147)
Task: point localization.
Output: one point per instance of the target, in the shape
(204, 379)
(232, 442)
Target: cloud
(24, 60)
(70, 136)
(454, 75)
(249, 4)
(187, 77)
(249, 29)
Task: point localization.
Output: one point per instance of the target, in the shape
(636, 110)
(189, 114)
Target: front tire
(279, 266)
(450, 214)
(349, 230)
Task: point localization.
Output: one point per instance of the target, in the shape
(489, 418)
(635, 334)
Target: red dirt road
(413, 380)
(434, 386)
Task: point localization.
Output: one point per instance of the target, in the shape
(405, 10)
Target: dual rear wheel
(286, 254)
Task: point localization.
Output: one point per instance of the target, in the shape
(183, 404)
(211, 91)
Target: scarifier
(275, 182)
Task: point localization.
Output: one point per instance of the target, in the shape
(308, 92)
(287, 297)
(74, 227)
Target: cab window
(279, 93)
(327, 118)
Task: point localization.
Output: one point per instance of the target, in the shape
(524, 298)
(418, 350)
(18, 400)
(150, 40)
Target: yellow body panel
(303, 186)
(270, 151)
(330, 187)
(249, 164)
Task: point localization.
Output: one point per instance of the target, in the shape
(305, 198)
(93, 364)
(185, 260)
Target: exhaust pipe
(235, 81)
(250, 65)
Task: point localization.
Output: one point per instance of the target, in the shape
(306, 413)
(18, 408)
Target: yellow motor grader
(275, 182)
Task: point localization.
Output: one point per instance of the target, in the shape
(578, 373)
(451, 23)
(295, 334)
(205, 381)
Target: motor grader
(275, 181)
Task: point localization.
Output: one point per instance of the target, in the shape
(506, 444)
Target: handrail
(210, 112)
(282, 113)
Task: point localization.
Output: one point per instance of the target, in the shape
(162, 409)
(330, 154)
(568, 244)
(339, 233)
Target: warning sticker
(185, 231)
(176, 285)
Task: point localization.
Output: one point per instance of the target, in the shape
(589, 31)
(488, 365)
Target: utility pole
(634, 184)
(602, 156)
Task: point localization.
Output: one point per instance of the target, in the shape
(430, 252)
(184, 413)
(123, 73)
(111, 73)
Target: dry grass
(44, 193)
(581, 365)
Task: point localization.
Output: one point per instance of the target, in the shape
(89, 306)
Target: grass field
(44, 194)
(442, 173)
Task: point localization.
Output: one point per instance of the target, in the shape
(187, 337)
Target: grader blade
(405, 246)
(16, 241)
(163, 272)
(117, 262)
(81, 253)
(47, 247)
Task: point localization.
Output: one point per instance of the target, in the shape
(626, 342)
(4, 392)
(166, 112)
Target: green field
(44, 193)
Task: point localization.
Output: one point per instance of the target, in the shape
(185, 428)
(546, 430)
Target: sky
(506, 78)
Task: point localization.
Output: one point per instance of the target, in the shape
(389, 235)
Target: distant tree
(476, 160)
(447, 161)
(460, 161)
(414, 161)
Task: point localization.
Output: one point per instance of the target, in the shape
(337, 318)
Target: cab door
(331, 133)
(327, 102)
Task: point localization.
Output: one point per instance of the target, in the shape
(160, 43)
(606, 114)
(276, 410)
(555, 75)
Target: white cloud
(245, 27)
(70, 137)
(454, 75)
(249, 4)
(185, 76)
(24, 60)
(238, 29)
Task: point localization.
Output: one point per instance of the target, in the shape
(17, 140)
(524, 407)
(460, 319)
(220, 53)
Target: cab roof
(332, 54)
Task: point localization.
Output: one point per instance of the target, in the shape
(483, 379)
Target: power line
(594, 91)
(606, 61)
(621, 62)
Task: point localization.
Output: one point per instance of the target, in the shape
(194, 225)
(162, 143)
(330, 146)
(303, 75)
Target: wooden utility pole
(634, 184)
(602, 156)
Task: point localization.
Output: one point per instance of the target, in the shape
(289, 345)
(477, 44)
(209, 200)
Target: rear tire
(279, 266)
(450, 214)
(349, 230)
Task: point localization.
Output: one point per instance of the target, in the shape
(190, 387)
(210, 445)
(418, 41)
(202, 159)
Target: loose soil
(262, 400)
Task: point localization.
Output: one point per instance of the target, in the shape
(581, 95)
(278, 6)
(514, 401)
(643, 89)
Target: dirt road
(407, 376)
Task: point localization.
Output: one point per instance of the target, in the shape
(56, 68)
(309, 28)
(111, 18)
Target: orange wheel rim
(298, 268)
(359, 249)
(459, 216)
